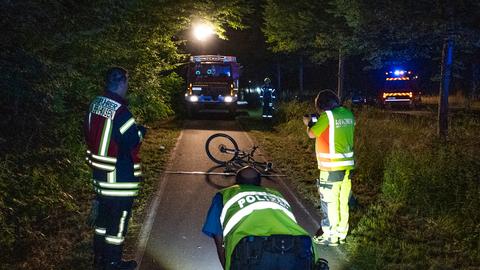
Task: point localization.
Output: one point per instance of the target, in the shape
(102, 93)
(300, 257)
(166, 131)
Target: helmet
(326, 100)
(267, 80)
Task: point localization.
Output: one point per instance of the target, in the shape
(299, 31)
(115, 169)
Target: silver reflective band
(114, 240)
(240, 195)
(112, 177)
(106, 137)
(122, 224)
(117, 185)
(104, 159)
(137, 173)
(102, 166)
(127, 125)
(337, 163)
(327, 155)
(331, 131)
(136, 166)
(118, 193)
(237, 217)
(100, 231)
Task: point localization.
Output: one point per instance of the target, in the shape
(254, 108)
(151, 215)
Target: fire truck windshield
(205, 70)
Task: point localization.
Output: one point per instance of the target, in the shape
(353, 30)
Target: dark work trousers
(267, 110)
(111, 227)
(276, 252)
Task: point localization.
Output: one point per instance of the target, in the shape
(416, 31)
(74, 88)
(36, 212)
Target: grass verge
(49, 192)
(419, 196)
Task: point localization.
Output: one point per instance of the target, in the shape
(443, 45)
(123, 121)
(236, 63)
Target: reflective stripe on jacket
(334, 140)
(113, 143)
(250, 210)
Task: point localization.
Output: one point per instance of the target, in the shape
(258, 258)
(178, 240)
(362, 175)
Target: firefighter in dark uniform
(113, 143)
(268, 97)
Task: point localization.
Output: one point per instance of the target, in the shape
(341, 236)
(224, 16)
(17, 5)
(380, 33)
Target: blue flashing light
(399, 72)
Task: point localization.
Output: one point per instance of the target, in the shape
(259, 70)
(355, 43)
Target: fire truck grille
(214, 92)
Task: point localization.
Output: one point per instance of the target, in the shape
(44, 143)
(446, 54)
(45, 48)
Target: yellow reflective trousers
(334, 197)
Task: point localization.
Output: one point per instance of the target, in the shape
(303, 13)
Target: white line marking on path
(152, 210)
(218, 173)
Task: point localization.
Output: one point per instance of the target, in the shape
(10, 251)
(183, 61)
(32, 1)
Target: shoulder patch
(104, 107)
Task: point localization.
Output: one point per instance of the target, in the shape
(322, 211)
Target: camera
(313, 118)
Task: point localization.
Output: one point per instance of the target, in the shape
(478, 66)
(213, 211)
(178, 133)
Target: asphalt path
(171, 236)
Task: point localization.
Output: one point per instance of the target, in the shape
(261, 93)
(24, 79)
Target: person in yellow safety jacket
(333, 131)
(254, 228)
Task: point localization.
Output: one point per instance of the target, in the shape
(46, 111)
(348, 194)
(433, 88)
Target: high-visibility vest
(113, 144)
(250, 210)
(334, 140)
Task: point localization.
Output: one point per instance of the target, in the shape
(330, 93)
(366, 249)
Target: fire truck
(400, 87)
(212, 83)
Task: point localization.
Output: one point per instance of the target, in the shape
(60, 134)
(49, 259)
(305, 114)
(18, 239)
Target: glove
(143, 130)
(93, 215)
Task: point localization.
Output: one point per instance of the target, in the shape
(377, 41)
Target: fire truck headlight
(193, 98)
(228, 99)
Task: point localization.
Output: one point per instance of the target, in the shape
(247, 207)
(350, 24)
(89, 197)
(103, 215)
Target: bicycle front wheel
(221, 148)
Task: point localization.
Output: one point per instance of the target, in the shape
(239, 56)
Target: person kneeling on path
(254, 228)
(333, 130)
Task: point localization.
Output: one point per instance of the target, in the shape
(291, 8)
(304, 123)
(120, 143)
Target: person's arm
(213, 227)
(306, 121)
(220, 249)
(313, 131)
(131, 134)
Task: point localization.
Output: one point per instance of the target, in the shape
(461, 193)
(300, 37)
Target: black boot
(98, 263)
(121, 265)
(98, 248)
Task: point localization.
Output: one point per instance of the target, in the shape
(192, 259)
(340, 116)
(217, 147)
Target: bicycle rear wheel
(221, 148)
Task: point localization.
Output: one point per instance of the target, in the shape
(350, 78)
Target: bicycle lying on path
(223, 149)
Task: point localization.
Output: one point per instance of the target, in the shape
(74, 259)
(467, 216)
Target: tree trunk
(473, 92)
(447, 61)
(469, 92)
(279, 76)
(300, 75)
(341, 75)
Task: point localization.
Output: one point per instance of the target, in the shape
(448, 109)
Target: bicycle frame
(241, 155)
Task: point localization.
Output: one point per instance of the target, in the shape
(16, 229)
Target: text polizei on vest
(249, 199)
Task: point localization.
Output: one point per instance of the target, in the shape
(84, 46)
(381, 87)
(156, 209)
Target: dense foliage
(53, 56)
(383, 34)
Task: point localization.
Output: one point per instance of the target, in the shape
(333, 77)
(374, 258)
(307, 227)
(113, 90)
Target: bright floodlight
(202, 31)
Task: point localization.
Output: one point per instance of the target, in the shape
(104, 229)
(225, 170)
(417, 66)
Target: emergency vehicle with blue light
(400, 87)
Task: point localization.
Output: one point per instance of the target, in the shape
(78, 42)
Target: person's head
(267, 81)
(326, 100)
(116, 81)
(248, 176)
